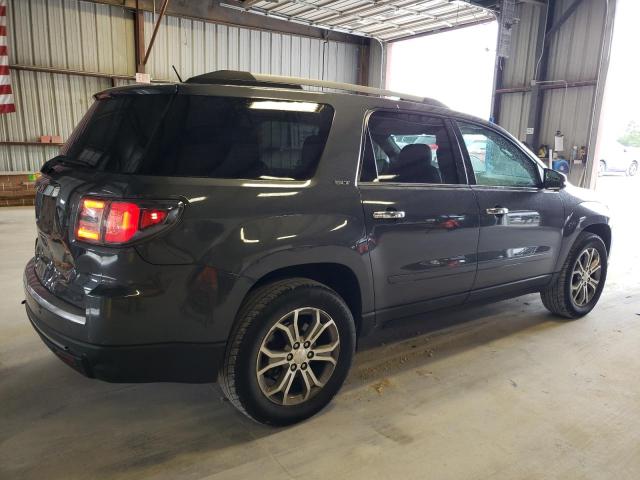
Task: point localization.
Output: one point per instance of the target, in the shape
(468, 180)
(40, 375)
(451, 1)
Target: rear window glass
(202, 136)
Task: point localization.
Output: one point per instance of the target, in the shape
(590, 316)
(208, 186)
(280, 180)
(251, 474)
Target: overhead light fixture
(284, 106)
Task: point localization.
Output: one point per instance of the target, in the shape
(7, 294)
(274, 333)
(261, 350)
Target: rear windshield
(201, 136)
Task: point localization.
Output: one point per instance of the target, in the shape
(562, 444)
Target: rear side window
(202, 136)
(407, 148)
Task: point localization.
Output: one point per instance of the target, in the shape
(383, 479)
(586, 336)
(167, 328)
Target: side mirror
(554, 180)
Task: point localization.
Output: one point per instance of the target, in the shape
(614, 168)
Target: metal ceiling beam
(336, 32)
(212, 11)
(349, 16)
(470, 16)
(442, 30)
(345, 19)
(366, 9)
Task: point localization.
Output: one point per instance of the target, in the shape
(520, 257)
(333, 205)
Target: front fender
(583, 215)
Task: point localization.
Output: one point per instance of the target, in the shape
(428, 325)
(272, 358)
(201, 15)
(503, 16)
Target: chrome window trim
(403, 184)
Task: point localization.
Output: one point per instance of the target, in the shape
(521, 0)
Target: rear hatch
(162, 143)
(111, 138)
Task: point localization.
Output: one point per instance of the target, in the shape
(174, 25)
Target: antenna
(177, 74)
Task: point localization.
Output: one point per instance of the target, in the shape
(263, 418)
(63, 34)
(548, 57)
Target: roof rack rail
(231, 77)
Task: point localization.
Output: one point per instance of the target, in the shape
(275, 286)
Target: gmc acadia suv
(241, 228)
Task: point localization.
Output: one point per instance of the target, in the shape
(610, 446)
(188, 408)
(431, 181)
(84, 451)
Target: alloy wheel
(298, 356)
(585, 277)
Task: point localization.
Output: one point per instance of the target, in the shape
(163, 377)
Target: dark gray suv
(241, 228)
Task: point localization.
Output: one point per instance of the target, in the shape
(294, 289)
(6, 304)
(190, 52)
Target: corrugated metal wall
(196, 47)
(574, 54)
(86, 36)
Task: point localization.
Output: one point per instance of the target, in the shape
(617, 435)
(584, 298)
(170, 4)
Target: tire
(558, 297)
(633, 169)
(602, 168)
(276, 304)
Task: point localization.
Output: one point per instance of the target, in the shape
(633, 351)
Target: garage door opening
(455, 67)
(618, 150)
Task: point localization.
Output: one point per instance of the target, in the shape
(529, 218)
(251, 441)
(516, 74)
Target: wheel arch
(603, 230)
(339, 277)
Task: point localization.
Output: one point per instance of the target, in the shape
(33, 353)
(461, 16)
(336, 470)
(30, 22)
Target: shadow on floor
(52, 416)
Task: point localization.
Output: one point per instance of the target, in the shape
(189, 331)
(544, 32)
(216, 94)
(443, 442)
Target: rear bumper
(166, 362)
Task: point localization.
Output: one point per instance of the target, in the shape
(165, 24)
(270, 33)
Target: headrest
(415, 153)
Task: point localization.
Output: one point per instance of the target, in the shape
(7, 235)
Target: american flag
(6, 96)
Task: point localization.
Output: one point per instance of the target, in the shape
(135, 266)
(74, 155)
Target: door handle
(388, 214)
(497, 211)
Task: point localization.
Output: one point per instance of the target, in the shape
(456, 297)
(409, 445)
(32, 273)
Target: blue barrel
(561, 165)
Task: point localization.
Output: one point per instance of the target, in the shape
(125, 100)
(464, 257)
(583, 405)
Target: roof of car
(339, 95)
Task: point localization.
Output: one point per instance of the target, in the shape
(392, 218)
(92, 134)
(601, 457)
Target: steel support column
(138, 35)
(163, 9)
(364, 60)
(540, 74)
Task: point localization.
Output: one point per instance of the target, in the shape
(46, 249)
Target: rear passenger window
(202, 136)
(407, 148)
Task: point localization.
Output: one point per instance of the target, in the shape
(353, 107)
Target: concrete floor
(500, 391)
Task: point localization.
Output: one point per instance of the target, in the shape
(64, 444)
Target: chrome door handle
(497, 211)
(388, 214)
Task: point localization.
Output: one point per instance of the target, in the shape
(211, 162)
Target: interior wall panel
(196, 47)
(574, 55)
(86, 36)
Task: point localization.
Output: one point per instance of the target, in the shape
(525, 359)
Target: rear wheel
(290, 351)
(633, 169)
(577, 288)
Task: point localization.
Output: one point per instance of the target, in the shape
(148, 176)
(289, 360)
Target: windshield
(201, 136)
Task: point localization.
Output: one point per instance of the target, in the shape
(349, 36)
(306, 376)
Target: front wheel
(578, 287)
(290, 351)
(633, 169)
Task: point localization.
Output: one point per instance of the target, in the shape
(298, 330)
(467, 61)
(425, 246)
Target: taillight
(152, 217)
(113, 222)
(90, 220)
(122, 223)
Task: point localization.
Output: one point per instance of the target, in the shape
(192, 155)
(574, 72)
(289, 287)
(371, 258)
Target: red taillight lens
(151, 217)
(122, 222)
(107, 222)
